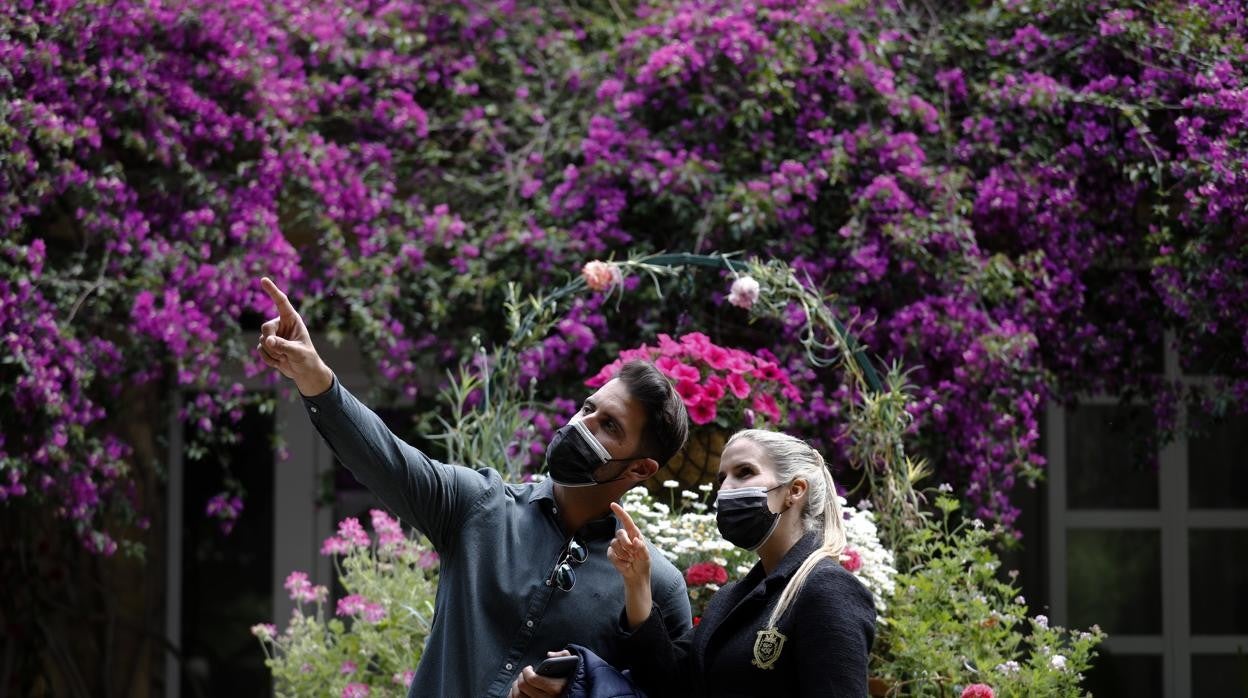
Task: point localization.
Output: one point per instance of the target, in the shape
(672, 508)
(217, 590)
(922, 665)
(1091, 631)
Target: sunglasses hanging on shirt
(563, 577)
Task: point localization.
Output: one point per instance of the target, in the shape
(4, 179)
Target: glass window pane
(1218, 675)
(1110, 461)
(1219, 581)
(1217, 453)
(1113, 579)
(1122, 675)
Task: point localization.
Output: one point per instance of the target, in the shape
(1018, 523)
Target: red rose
(851, 559)
(705, 573)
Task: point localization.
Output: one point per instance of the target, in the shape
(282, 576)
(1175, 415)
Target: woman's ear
(797, 490)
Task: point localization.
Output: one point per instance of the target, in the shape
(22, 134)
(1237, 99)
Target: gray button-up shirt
(498, 544)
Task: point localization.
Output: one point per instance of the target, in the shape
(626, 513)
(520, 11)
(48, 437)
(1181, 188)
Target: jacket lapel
(725, 602)
(741, 598)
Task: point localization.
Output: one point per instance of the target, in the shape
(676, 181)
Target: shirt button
(528, 623)
(508, 666)
(313, 408)
(554, 510)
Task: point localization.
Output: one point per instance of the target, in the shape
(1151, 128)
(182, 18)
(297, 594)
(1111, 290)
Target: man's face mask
(574, 454)
(743, 517)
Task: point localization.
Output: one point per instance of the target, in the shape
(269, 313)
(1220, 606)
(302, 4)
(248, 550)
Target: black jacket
(828, 634)
(594, 678)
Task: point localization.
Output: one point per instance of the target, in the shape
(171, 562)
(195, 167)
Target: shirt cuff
(328, 400)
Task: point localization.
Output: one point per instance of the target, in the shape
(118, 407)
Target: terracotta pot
(877, 686)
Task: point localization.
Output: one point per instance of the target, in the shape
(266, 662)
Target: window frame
(1173, 519)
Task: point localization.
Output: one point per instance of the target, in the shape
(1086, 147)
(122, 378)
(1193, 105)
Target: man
(524, 567)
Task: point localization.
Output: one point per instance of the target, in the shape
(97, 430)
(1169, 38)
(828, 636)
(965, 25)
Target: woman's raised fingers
(626, 520)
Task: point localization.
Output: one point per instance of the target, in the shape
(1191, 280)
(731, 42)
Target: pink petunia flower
(689, 391)
(704, 412)
(668, 346)
(766, 404)
(738, 385)
(713, 389)
(978, 690)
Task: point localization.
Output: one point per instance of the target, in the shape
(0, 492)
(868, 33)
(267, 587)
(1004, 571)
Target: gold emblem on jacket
(767, 647)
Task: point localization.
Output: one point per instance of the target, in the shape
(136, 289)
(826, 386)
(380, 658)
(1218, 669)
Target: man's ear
(644, 468)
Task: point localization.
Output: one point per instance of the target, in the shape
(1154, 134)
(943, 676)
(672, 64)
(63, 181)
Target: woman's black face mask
(574, 454)
(743, 517)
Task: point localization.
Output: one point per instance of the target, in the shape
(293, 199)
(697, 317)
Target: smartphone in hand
(558, 667)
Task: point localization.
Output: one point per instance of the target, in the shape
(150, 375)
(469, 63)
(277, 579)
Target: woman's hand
(631, 557)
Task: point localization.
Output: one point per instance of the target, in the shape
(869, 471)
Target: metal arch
(857, 351)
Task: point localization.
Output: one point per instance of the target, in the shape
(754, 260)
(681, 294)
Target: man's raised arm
(430, 495)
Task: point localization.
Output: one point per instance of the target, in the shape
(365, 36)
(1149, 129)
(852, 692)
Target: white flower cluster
(679, 537)
(692, 535)
(878, 570)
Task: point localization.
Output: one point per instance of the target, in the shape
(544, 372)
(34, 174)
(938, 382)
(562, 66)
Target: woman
(797, 625)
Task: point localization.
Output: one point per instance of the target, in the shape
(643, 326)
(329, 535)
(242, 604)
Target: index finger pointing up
(284, 308)
(629, 527)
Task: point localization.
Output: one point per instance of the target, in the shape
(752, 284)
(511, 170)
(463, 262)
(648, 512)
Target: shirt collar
(543, 494)
(543, 490)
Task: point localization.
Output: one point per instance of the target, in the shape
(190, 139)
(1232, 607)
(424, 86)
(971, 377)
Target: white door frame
(299, 522)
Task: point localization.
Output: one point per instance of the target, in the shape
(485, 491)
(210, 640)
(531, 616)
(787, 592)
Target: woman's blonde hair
(793, 459)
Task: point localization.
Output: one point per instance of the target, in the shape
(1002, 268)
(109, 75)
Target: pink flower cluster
(356, 605)
(728, 386)
(391, 540)
(389, 531)
(351, 535)
(302, 590)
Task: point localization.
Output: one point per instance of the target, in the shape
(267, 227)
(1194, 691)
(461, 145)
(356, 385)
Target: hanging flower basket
(697, 463)
(724, 390)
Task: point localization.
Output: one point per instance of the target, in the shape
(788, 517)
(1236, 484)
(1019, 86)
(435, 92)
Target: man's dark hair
(667, 423)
